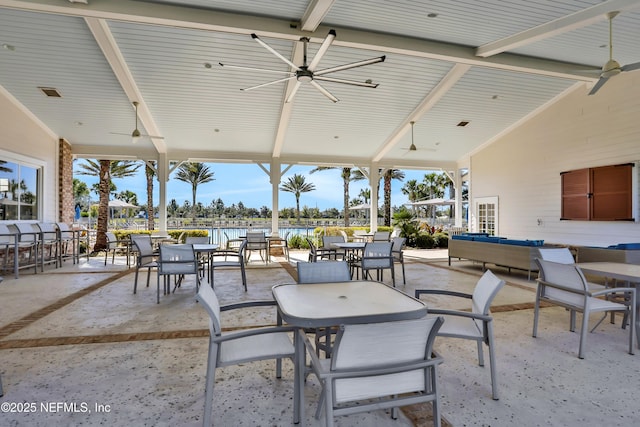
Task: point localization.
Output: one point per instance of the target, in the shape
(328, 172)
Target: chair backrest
(111, 240)
(567, 275)
(398, 244)
(376, 345)
(344, 235)
(377, 255)
(323, 272)
(561, 255)
(328, 240)
(25, 231)
(312, 247)
(64, 230)
(177, 259)
(142, 244)
(209, 300)
(381, 236)
(256, 240)
(6, 236)
(48, 230)
(197, 240)
(485, 291)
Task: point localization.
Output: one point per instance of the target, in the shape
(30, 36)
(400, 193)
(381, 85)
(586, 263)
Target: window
(19, 185)
(598, 194)
(487, 215)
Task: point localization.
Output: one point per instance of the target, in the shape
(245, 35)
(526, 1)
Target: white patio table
(620, 271)
(329, 304)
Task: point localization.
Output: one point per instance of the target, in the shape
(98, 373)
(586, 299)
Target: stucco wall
(523, 168)
(22, 139)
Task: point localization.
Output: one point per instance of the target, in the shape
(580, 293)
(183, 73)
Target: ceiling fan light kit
(612, 67)
(307, 73)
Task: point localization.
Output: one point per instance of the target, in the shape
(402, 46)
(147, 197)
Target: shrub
(298, 241)
(424, 241)
(442, 240)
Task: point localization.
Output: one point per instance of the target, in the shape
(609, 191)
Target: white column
(274, 177)
(163, 177)
(374, 183)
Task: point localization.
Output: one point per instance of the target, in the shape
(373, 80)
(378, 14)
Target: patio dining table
(629, 273)
(208, 249)
(329, 304)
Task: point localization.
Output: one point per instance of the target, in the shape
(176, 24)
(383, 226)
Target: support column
(374, 183)
(163, 178)
(274, 179)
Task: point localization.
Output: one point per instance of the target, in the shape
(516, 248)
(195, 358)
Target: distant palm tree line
(195, 173)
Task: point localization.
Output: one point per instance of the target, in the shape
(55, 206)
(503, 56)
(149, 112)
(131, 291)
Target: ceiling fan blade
(272, 50)
(324, 91)
(267, 84)
(598, 85)
(349, 66)
(323, 49)
(630, 67)
(239, 67)
(293, 91)
(348, 82)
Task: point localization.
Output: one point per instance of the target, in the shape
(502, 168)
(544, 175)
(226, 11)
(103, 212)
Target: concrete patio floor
(78, 334)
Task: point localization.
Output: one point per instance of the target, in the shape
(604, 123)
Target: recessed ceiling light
(336, 137)
(437, 143)
(463, 123)
(9, 47)
(50, 92)
(432, 15)
(79, 123)
(494, 97)
(207, 65)
(216, 130)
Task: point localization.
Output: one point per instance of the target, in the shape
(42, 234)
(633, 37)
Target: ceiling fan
(307, 73)
(413, 147)
(612, 67)
(136, 134)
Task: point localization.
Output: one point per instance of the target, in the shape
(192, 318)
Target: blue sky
(249, 184)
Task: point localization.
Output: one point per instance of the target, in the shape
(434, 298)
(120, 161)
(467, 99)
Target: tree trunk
(150, 213)
(346, 178)
(103, 208)
(387, 198)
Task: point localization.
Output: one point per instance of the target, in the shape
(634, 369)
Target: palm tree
(365, 193)
(434, 185)
(194, 173)
(389, 174)
(346, 178)
(150, 172)
(296, 184)
(106, 170)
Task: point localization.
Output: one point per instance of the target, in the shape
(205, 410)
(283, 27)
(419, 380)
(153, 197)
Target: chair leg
(583, 334)
(480, 353)
(135, 282)
(244, 277)
(536, 313)
(492, 361)
(209, 384)
(404, 281)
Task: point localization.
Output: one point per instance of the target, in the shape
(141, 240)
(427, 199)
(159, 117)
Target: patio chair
(114, 245)
(381, 236)
(397, 248)
(27, 239)
(376, 256)
(379, 366)
(235, 348)
(67, 237)
(344, 235)
(257, 241)
(176, 260)
(48, 239)
(7, 241)
(323, 272)
(317, 253)
(232, 244)
(476, 325)
(145, 256)
(334, 253)
(203, 258)
(281, 243)
(565, 285)
(230, 259)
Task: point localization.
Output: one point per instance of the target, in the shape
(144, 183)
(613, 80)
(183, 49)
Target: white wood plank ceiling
(491, 63)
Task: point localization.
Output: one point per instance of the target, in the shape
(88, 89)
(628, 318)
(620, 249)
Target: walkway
(79, 335)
